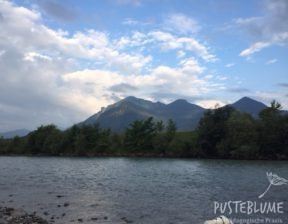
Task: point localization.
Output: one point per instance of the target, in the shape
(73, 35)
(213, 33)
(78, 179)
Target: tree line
(221, 133)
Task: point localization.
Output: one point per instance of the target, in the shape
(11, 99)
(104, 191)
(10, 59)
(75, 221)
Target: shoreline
(141, 155)
(10, 215)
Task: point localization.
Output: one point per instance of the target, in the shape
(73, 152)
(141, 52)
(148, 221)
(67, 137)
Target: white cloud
(43, 79)
(268, 96)
(32, 56)
(268, 30)
(33, 60)
(162, 81)
(230, 65)
(137, 39)
(221, 77)
(181, 23)
(181, 54)
(23, 27)
(210, 104)
(170, 42)
(167, 42)
(134, 22)
(130, 22)
(271, 61)
(258, 46)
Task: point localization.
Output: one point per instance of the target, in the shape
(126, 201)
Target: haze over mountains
(12, 134)
(118, 116)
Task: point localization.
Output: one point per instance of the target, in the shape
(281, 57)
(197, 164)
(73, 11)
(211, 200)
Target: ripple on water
(122, 190)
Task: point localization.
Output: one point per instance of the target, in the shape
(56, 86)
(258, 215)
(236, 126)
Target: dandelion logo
(274, 179)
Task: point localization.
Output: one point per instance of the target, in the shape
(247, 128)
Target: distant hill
(14, 133)
(249, 106)
(118, 116)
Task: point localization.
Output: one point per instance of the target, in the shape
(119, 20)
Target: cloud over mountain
(60, 76)
(58, 65)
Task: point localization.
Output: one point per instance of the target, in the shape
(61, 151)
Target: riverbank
(223, 134)
(141, 155)
(19, 216)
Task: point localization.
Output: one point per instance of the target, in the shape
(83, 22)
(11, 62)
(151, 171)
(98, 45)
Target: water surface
(138, 190)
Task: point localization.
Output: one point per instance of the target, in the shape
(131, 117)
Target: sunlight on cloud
(67, 76)
(183, 80)
(210, 104)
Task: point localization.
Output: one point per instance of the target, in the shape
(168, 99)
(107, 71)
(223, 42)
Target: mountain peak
(179, 102)
(186, 115)
(183, 105)
(136, 101)
(249, 105)
(131, 99)
(246, 99)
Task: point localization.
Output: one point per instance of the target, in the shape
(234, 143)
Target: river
(137, 190)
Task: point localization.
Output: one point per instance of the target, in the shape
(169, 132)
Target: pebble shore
(18, 216)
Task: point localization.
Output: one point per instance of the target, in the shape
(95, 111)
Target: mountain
(118, 116)
(14, 133)
(184, 114)
(249, 106)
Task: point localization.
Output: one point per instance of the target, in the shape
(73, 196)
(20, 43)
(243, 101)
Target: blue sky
(61, 61)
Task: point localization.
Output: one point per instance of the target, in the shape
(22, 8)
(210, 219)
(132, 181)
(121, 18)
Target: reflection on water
(142, 190)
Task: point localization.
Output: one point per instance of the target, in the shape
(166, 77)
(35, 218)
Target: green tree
(69, 140)
(159, 126)
(212, 130)
(16, 145)
(140, 135)
(170, 130)
(273, 129)
(164, 136)
(241, 138)
(90, 139)
(3, 145)
(45, 140)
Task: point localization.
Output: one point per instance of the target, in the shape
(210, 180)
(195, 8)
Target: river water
(137, 190)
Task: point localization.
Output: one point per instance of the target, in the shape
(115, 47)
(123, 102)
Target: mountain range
(119, 115)
(12, 134)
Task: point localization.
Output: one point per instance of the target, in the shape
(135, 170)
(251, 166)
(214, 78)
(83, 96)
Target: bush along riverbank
(222, 133)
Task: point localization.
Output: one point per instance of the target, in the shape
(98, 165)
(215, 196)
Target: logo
(275, 180)
(248, 208)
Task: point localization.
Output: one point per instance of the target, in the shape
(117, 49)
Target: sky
(61, 61)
